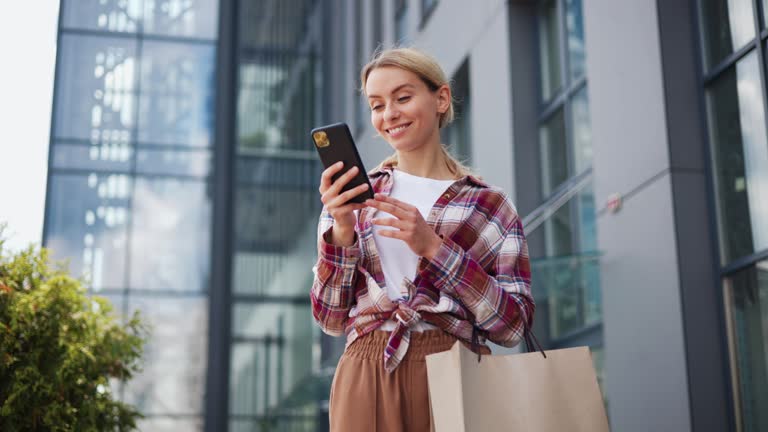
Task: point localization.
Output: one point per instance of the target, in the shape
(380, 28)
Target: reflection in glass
(728, 26)
(458, 134)
(570, 291)
(747, 312)
(740, 153)
(582, 132)
(171, 424)
(176, 94)
(401, 21)
(173, 380)
(549, 49)
(574, 22)
(196, 163)
(99, 157)
(170, 244)
(188, 18)
(87, 216)
(272, 360)
(554, 153)
(105, 15)
(97, 103)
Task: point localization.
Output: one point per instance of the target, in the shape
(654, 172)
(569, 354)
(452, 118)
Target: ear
(443, 98)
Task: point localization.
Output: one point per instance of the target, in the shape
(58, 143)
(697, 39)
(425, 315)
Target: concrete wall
(646, 373)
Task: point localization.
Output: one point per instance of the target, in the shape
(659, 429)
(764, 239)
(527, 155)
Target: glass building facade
(734, 47)
(182, 183)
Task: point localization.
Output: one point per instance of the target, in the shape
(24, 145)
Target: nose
(390, 112)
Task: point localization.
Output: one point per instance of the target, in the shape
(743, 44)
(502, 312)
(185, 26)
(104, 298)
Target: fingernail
(339, 163)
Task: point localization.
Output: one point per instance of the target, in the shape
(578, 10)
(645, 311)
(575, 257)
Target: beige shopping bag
(518, 392)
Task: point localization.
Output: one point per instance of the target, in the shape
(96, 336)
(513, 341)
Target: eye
(376, 107)
(404, 99)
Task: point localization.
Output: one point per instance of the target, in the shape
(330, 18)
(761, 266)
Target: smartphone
(334, 143)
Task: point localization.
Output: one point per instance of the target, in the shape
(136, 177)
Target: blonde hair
(430, 72)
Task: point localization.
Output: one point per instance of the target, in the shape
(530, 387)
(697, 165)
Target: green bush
(60, 350)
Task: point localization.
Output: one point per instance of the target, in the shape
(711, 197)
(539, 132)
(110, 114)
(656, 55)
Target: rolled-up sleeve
(335, 274)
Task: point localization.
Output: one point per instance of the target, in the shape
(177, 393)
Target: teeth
(397, 129)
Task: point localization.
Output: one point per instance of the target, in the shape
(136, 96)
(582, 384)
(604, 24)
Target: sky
(28, 53)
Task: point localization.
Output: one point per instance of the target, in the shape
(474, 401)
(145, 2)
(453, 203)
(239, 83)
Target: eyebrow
(397, 89)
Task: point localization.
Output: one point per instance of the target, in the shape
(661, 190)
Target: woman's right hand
(336, 203)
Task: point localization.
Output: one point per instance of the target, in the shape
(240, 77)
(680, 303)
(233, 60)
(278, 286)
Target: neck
(426, 161)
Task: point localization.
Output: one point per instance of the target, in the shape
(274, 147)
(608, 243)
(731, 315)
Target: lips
(397, 130)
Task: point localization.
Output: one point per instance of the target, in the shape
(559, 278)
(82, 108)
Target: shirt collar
(387, 169)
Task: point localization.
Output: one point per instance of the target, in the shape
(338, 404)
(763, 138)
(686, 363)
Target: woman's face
(403, 110)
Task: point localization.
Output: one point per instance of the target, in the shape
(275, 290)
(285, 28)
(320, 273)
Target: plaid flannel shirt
(478, 283)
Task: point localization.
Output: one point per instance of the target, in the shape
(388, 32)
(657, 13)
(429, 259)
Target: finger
(393, 222)
(349, 207)
(342, 181)
(348, 195)
(395, 201)
(342, 199)
(328, 173)
(392, 233)
(387, 207)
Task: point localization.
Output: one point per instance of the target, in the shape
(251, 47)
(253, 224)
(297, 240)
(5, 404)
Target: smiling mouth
(397, 130)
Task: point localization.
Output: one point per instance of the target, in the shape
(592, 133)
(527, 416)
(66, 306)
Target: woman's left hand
(411, 226)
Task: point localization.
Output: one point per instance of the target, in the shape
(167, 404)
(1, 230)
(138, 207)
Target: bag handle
(530, 338)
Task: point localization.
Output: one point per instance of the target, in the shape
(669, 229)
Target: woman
(437, 256)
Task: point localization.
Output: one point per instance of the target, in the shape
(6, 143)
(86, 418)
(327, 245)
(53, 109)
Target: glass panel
(87, 216)
(174, 162)
(106, 15)
(559, 233)
(377, 18)
(554, 153)
(170, 247)
(401, 21)
(740, 153)
(765, 13)
(587, 220)
(173, 380)
(295, 422)
(272, 360)
(728, 26)
(274, 220)
(426, 8)
(570, 292)
(748, 333)
(190, 18)
(101, 157)
(549, 49)
(262, 100)
(171, 424)
(458, 134)
(98, 101)
(574, 22)
(582, 131)
(177, 104)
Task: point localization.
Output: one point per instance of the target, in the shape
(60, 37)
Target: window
(734, 63)
(427, 7)
(567, 268)
(401, 21)
(458, 134)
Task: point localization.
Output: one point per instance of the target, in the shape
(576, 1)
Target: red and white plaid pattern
(480, 276)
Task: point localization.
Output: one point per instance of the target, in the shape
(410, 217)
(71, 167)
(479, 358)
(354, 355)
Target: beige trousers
(365, 398)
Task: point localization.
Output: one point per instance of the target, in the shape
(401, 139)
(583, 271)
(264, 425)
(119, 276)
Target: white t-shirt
(398, 261)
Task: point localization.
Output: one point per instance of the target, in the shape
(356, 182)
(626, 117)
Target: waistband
(371, 345)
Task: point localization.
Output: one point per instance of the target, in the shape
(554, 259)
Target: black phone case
(341, 147)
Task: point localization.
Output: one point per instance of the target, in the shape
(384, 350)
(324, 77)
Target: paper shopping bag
(518, 392)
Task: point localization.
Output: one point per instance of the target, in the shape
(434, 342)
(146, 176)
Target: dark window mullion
(729, 61)
(549, 108)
